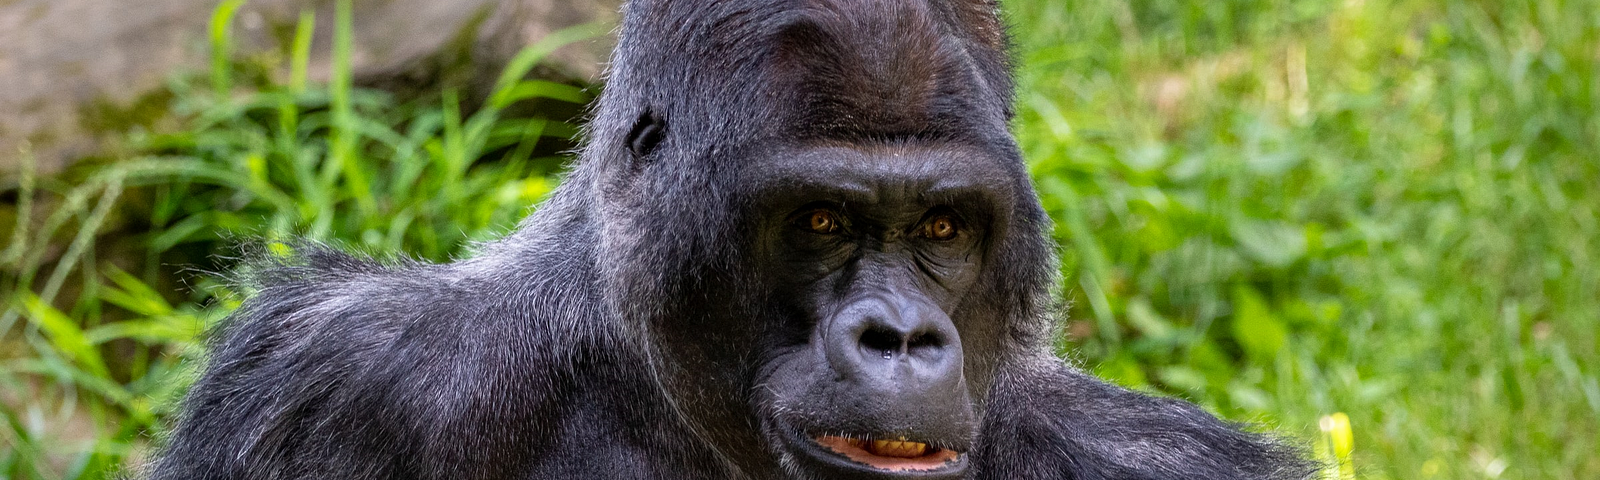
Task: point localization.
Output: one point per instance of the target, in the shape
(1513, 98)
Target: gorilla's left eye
(822, 221)
(940, 228)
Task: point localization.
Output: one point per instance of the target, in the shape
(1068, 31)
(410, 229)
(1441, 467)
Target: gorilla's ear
(646, 135)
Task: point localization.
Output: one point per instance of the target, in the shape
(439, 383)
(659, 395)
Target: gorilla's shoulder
(273, 267)
(316, 312)
(306, 283)
(334, 357)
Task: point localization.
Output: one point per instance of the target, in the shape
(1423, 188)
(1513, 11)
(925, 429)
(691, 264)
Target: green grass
(1382, 208)
(1372, 224)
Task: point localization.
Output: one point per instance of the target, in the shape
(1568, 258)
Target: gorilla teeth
(899, 455)
(895, 448)
(898, 448)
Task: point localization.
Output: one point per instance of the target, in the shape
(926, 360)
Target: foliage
(1284, 210)
(101, 356)
(1369, 222)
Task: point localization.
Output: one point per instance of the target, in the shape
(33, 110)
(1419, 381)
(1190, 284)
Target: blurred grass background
(1371, 224)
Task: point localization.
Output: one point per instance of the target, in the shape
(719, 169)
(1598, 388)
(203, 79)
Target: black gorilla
(800, 243)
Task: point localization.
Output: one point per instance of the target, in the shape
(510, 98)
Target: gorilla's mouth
(830, 453)
(897, 455)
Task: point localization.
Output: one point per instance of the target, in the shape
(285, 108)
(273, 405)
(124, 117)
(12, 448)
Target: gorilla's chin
(873, 456)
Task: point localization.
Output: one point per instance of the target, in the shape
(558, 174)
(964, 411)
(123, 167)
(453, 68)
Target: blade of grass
(528, 89)
(345, 132)
(72, 205)
(132, 294)
(19, 232)
(64, 335)
(83, 240)
(520, 65)
(222, 46)
(300, 57)
(24, 448)
(288, 102)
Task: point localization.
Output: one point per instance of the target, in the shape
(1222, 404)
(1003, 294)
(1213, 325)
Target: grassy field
(1372, 224)
(1382, 208)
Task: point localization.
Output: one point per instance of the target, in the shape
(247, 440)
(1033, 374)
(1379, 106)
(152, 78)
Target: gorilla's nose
(895, 345)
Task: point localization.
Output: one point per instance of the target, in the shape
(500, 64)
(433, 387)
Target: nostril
(925, 340)
(881, 341)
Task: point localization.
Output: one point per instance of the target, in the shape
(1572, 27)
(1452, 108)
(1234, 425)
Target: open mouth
(892, 455)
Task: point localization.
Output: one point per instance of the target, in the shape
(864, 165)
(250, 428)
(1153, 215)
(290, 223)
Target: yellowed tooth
(898, 448)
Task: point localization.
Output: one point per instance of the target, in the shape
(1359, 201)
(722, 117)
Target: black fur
(653, 319)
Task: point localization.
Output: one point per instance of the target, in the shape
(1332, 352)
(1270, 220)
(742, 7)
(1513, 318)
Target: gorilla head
(817, 225)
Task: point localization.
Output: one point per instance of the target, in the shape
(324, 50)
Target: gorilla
(799, 242)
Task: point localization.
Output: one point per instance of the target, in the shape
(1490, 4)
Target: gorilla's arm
(1046, 418)
(342, 368)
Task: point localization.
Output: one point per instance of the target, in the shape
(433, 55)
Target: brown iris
(939, 228)
(822, 221)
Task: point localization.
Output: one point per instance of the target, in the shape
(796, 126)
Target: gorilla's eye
(939, 228)
(822, 221)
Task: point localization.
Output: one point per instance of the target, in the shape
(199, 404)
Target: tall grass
(1289, 210)
(95, 356)
(1370, 223)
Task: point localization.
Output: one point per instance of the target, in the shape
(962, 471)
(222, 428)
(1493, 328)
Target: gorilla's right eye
(940, 228)
(822, 221)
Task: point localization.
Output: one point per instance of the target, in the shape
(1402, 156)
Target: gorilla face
(838, 308)
(819, 230)
(872, 253)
